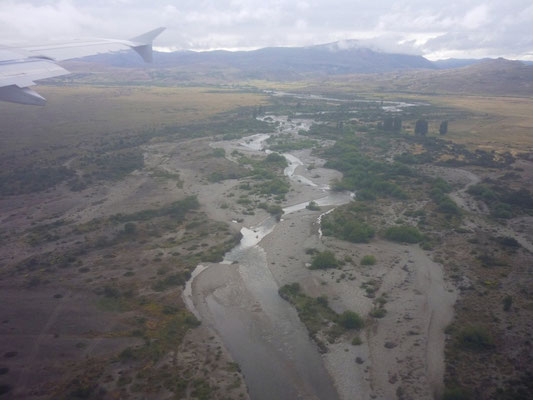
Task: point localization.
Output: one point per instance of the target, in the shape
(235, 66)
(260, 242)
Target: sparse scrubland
(104, 222)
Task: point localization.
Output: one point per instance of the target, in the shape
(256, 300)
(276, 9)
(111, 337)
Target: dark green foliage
(350, 320)
(273, 209)
(314, 312)
(170, 281)
(397, 124)
(408, 158)
(474, 337)
(347, 226)
(176, 210)
(404, 234)
(455, 393)
(324, 260)
(313, 206)
(503, 201)
(113, 165)
(443, 129)
(445, 205)
(130, 228)
(508, 241)
(507, 302)
(361, 172)
(289, 144)
(219, 153)
(368, 260)
(219, 176)
(276, 158)
(379, 312)
(421, 127)
(32, 179)
(274, 186)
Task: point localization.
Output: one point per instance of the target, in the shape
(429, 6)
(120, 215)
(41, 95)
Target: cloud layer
(436, 29)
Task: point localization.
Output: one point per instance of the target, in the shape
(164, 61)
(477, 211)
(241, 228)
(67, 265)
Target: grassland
(493, 123)
(74, 114)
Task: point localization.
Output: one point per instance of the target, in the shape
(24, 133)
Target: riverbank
(406, 345)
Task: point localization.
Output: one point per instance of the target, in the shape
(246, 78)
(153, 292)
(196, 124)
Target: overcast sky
(433, 28)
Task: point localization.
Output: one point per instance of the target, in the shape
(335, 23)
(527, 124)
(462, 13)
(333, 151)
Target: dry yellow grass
(75, 112)
(499, 123)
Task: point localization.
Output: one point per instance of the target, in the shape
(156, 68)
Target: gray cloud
(467, 28)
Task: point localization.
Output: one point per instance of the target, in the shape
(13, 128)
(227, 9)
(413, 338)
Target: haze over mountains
(390, 70)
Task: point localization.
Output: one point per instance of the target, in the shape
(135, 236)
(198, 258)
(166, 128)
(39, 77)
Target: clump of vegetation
(175, 210)
(316, 314)
(219, 153)
(404, 234)
(313, 206)
(274, 209)
(324, 260)
(438, 192)
(455, 393)
(475, 337)
(360, 172)
(368, 260)
(350, 320)
(276, 158)
(346, 224)
(503, 201)
(32, 179)
(507, 302)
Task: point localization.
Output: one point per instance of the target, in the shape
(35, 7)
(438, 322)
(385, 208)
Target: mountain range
(404, 72)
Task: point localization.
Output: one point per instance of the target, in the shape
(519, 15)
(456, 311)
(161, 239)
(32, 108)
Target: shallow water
(261, 330)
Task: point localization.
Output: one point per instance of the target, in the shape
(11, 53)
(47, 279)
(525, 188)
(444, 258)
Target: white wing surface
(21, 67)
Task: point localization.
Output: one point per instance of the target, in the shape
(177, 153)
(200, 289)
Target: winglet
(21, 95)
(148, 37)
(143, 44)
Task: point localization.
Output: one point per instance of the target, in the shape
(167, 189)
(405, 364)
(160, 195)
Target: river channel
(239, 298)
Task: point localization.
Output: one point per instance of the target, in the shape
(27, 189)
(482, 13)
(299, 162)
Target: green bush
(221, 153)
(347, 226)
(313, 206)
(507, 302)
(324, 260)
(350, 320)
(404, 234)
(368, 260)
(475, 337)
(455, 393)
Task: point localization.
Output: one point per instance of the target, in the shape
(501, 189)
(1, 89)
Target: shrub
(475, 337)
(276, 158)
(507, 302)
(455, 393)
(350, 320)
(404, 234)
(378, 312)
(313, 206)
(356, 341)
(324, 260)
(219, 153)
(346, 226)
(368, 260)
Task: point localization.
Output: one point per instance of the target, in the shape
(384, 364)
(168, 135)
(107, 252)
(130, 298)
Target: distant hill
(488, 77)
(279, 62)
(498, 77)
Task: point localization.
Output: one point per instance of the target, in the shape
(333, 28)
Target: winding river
(239, 299)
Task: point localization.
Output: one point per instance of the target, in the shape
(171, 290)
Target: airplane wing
(21, 67)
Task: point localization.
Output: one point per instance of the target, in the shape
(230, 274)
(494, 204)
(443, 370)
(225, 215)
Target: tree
(350, 320)
(387, 124)
(421, 127)
(443, 130)
(324, 260)
(397, 124)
